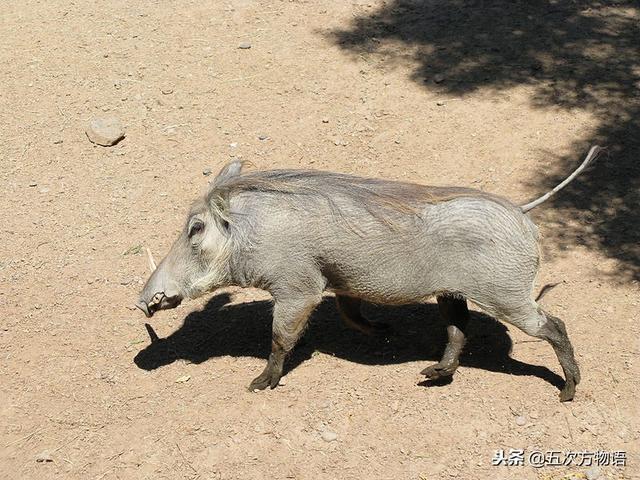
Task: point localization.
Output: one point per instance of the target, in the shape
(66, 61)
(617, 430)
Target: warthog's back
(384, 241)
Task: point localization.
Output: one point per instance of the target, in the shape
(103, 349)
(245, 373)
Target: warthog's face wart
(195, 265)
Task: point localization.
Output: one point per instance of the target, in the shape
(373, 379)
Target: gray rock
(438, 78)
(206, 172)
(244, 46)
(521, 421)
(105, 131)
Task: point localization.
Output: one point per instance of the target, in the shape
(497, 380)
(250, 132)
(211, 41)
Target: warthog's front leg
(289, 321)
(455, 312)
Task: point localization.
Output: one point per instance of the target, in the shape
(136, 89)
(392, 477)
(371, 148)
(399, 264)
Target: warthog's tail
(592, 155)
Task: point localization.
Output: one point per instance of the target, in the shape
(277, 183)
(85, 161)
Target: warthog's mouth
(159, 302)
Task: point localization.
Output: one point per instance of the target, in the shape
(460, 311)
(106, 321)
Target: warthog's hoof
(264, 380)
(439, 370)
(569, 390)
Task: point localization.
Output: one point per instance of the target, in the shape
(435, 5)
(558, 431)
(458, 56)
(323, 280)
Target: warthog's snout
(160, 292)
(158, 302)
(142, 305)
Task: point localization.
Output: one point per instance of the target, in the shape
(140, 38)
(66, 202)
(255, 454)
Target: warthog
(298, 233)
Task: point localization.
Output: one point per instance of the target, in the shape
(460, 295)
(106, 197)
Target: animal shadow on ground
(581, 54)
(416, 333)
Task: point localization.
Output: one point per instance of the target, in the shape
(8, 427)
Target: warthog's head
(198, 261)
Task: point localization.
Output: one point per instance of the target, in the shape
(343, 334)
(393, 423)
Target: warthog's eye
(196, 227)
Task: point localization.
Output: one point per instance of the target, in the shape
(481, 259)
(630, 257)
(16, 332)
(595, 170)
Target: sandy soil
(502, 96)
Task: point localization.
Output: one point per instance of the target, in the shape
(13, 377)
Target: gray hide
(298, 233)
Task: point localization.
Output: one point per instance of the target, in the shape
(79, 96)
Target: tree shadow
(581, 54)
(416, 334)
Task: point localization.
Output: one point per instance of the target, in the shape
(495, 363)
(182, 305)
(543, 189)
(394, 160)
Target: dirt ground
(502, 96)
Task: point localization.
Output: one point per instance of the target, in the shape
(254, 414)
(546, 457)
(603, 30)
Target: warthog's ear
(218, 196)
(230, 170)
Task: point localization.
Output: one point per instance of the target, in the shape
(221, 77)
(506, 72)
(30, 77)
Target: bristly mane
(381, 198)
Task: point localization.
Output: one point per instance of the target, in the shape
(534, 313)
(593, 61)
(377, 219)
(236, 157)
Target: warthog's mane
(381, 198)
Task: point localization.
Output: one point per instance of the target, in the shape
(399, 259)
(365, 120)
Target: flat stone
(244, 46)
(105, 131)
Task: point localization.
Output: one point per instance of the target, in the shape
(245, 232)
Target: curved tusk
(152, 263)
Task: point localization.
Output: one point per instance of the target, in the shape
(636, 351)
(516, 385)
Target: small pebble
(244, 46)
(262, 137)
(325, 120)
(33, 184)
(57, 142)
(521, 421)
(283, 381)
(167, 91)
(44, 457)
(329, 436)
(438, 78)
(206, 172)
(183, 379)
(440, 103)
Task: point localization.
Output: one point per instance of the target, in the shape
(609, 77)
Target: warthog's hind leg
(555, 333)
(531, 319)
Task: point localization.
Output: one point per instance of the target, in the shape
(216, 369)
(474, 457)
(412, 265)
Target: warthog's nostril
(142, 305)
